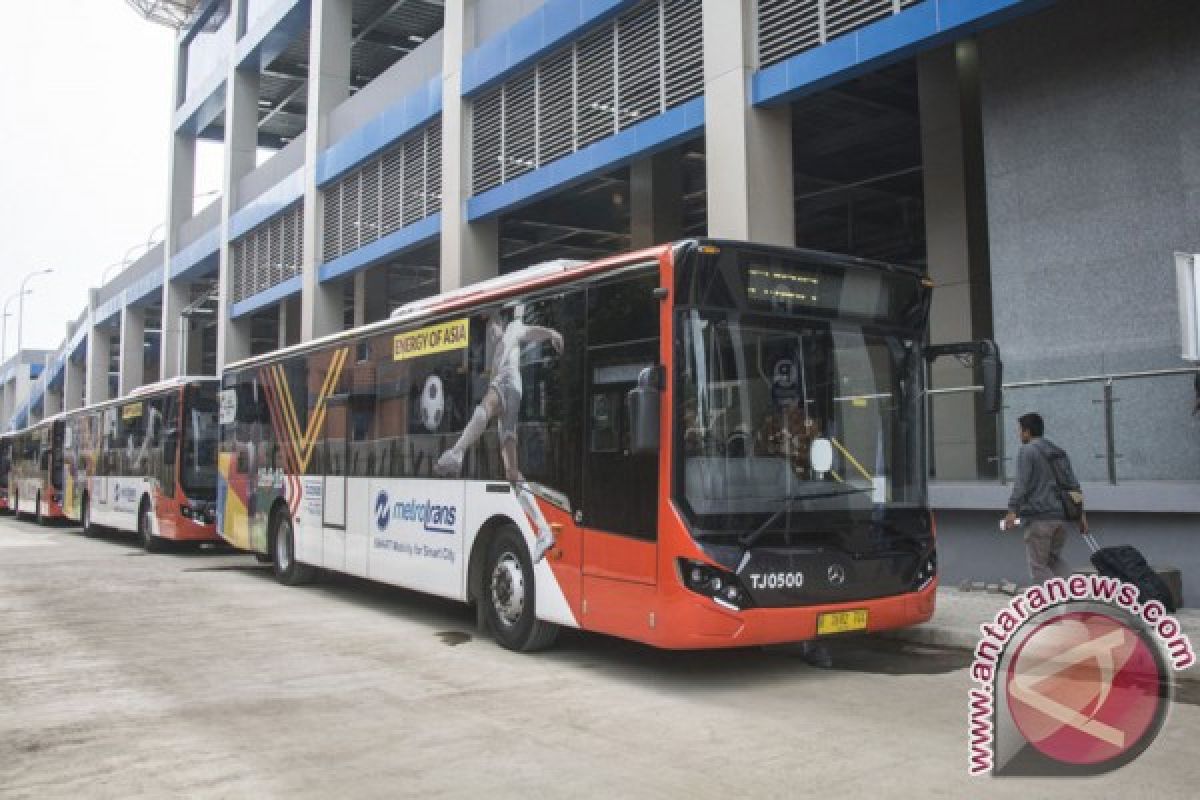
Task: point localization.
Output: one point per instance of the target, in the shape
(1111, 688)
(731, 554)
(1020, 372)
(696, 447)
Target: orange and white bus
(6, 445)
(36, 477)
(145, 463)
(706, 444)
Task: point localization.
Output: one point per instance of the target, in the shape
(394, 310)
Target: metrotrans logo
(434, 518)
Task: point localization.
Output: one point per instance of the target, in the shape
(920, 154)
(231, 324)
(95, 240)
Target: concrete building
(1041, 159)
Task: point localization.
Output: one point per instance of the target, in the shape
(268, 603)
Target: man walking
(1037, 501)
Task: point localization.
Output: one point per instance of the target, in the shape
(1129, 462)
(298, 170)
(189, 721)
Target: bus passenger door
(333, 468)
(620, 488)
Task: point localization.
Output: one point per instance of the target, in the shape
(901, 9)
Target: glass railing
(1133, 426)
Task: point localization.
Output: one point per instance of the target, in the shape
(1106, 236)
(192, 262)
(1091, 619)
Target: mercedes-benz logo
(836, 574)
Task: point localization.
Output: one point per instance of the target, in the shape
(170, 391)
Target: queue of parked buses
(704, 444)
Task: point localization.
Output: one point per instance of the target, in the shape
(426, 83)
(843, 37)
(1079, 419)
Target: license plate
(842, 621)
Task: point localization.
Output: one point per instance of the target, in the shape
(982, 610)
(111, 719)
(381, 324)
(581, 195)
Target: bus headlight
(198, 512)
(721, 586)
(926, 572)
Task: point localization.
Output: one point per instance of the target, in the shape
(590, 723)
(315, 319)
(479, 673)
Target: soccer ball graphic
(433, 403)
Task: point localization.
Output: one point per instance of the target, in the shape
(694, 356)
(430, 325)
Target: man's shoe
(449, 465)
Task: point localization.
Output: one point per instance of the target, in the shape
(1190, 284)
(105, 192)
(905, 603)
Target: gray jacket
(1035, 495)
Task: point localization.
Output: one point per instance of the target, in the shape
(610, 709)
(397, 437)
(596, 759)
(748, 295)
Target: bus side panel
(417, 534)
(557, 575)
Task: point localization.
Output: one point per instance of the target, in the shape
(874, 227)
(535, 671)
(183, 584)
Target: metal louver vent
(400, 186)
(629, 70)
(269, 254)
(789, 27)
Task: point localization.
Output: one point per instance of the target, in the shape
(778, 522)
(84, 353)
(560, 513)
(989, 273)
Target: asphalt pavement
(194, 674)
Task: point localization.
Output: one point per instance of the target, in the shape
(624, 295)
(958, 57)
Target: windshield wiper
(749, 539)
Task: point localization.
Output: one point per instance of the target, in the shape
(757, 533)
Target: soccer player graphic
(503, 401)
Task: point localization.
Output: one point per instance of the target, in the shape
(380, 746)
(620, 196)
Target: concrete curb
(952, 638)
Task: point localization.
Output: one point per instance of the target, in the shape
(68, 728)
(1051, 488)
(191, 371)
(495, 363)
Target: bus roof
(538, 276)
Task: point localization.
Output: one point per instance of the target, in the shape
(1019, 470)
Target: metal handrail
(1116, 376)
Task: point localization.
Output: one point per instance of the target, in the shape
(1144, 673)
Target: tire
(85, 518)
(150, 542)
(509, 595)
(287, 569)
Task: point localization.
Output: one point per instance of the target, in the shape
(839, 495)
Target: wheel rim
(508, 589)
(283, 547)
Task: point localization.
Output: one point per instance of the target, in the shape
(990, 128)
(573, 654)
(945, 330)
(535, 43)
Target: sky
(85, 117)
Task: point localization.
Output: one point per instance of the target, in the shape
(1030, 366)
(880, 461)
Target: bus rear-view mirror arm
(986, 355)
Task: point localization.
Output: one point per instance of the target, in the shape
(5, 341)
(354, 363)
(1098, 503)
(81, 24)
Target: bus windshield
(756, 392)
(198, 467)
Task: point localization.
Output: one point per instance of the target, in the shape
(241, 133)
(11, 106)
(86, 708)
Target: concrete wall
(490, 17)
(271, 172)
(1091, 120)
(196, 226)
(400, 80)
(971, 546)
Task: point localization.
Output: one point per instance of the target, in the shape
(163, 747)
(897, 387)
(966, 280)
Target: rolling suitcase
(1126, 563)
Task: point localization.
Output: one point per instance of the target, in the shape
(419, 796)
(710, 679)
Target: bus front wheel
(150, 542)
(509, 595)
(85, 517)
(288, 570)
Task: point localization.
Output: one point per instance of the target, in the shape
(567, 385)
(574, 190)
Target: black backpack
(1069, 493)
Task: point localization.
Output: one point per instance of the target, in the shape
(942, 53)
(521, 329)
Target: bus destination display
(779, 288)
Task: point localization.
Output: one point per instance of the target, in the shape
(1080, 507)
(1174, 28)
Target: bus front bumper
(692, 622)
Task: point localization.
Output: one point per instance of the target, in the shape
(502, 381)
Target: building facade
(1040, 159)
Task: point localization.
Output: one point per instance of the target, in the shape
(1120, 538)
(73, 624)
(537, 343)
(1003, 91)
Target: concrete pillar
(329, 68)
(749, 150)
(99, 355)
(379, 295)
(957, 246)
(194, 355)
(360, 298)
(23, 384)
(6, 404)
(656, 199)
(133, 350)
(74, 377)
(181, 188)
(241, 148)
(470, 252)
(52, 402)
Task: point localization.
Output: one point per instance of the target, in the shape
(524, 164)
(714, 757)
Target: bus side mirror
(642, 409)
(987, 356)
(992, 370)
